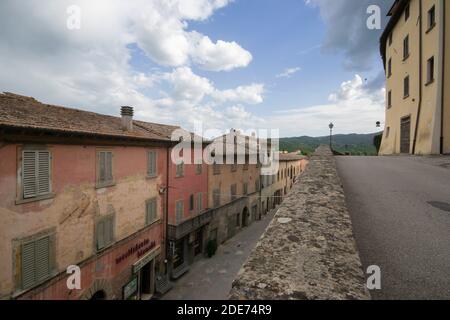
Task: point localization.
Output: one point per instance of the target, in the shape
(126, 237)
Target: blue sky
(221, 62)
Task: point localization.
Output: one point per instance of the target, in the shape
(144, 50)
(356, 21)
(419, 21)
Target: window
(431, 18)
(36, 260)
(216, 168)
(199, 202)
(390, 67)
(180, 169)
(407, 12)
(151, 213)
(179, 210)
(388, 129)
(406, 48)
(390, 99)
(198, 169)
(430, 70)
(406, 87)
(191, 202)
(216, 198)
(233, 191)
(245, 188)
(105, 175)
(36, 172)
(390, 39)
(256, 185)
(151, 167)
(104, 231)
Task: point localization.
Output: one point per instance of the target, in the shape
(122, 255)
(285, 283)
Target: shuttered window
(35, 173)
(36, 261)
(245, 188)
(199, 202)
(180, 170)
(105, 232)
(179, 209)
(151, 211)
(151, 167)
(233, 189)
(216, 198)
(406, 48)
(406, 87)
(191, 202)
(105, 175)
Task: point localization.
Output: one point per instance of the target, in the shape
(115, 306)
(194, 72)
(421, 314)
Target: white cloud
(289, 72)
(251, 94)
(353, 109)
(89, 68)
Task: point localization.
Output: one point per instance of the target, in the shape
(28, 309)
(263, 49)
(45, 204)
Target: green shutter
(42, 258)
(200, 202)
(109, 175)
(28, 269)
(29, 174)
(151, 163)
(43, 172)
(100, 230)
(151, 211)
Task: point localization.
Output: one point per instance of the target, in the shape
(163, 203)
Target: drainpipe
(419, 106)
(166, 240)
(443, 23)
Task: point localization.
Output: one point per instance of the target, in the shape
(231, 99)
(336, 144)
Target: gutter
(419, 107)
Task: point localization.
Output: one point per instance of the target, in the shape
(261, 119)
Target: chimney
(127, 118)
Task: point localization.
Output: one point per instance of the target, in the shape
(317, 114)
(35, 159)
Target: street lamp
(331, 126)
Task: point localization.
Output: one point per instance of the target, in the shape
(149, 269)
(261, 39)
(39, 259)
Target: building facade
(233, 190)
(188, 211)
(415, 48)
(80, 189)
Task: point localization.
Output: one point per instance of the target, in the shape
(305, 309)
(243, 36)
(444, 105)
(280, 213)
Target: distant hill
(356, 144)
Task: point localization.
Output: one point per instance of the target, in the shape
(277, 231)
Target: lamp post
(331, 126)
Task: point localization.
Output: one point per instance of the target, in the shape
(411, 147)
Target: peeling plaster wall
(77, 203)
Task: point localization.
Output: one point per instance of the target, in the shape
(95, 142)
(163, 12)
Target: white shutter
(29, 174)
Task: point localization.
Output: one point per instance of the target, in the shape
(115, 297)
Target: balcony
(176, 232)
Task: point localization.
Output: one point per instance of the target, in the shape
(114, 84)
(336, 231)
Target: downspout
(167, 211)
(443, 17)
(419, 107)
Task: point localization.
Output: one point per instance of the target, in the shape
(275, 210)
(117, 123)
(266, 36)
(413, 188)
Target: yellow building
(414, 46)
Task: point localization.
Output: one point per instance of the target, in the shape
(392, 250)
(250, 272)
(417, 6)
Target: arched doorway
(99, 295)
(245, 216)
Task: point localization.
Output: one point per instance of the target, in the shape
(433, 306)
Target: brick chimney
(127, 118)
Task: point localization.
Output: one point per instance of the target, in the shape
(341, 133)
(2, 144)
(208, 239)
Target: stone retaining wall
(308, 250)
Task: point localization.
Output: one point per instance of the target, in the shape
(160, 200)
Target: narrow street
(400, 209)
(212, 278)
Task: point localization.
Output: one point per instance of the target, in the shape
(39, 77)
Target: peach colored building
(80, 188)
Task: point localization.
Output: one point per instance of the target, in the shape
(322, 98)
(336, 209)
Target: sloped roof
(26, 112)
(291, 157)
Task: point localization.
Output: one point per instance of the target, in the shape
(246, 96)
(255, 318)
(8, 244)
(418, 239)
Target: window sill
(405, 97)
(430, 28)
(105, 185)
(35, 199)
(154, 223)
(151, 177)
(105, 247)
(179, 177)
(406, 58)
(429, 83)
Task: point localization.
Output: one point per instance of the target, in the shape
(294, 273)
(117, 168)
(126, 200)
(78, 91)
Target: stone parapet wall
(308, 250)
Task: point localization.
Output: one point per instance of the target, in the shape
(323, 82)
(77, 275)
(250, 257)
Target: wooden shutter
(29, 181)
(151, 213)
(151, 163)
(109, 175)
(42, 258)
(101, 166)
(179, 211)
(200, 202)
(100, 230)
(43, 172)
(28, 270)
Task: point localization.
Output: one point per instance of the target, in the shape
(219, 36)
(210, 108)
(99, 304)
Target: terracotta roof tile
(26, 112)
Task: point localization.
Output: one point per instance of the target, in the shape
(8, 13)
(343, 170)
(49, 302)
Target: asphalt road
(400, 209)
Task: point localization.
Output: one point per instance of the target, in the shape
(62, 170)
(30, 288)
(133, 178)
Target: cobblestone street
(212, 278)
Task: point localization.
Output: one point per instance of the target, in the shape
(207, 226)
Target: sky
(291, 65)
